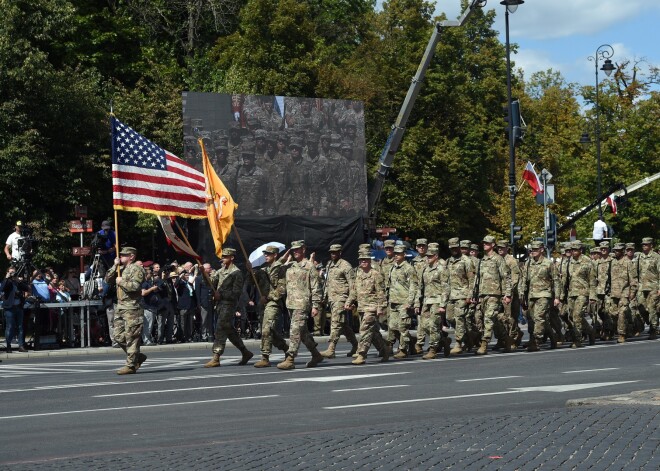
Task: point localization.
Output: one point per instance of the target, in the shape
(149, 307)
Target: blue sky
(562, 34)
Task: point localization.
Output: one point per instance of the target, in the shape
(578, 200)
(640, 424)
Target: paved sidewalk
(602, 438)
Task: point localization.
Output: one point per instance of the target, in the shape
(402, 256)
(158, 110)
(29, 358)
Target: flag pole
(199, 262)
(117, 242)
(247, 261)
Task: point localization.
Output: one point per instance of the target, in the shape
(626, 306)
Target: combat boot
(140, 359)
(360, 360)
(509, 344)
(652, 334)
(519, 338)
(577, 344)
(330, 352)
(287, 364)
(316, 359)
(419, 349)
(501, 343)
(126, 370)
(483, 349)
(384, 355)
(263, 363)
(353, 351)
(247, 354)
(592, 336)
(553, 341)
(215, 361)
(446, 347)
(533, 345)
(401, 354)
(457, 349)
(621, 339)
(431, 354)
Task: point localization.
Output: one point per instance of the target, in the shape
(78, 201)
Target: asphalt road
(55, 411)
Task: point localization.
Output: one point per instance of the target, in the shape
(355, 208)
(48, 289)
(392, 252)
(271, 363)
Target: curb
(649, 397)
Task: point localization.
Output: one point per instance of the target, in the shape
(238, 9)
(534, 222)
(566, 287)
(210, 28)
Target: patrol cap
(433, 245)
(247, 148)
(488, 240)
(503, 243)
(422, 242)
(362, 254)
(604, 245)
(620, 246)
(465, 243)
(228, 251)
(535, 245)
(400, 248)
(271, 249)
(630, 245)
(453, 243)
(335, 248)
(389, 243)
(296, 142)
(128, 251)
(594, 250)
(260, 134)
(433, 251)
(576, 245)
(362, 247)
(645, 240)
(474, 247)
(297, 244)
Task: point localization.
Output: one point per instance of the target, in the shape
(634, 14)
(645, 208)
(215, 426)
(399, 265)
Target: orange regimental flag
(220, 205)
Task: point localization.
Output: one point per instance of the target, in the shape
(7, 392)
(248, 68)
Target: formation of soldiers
(310, 161)
(480, 297)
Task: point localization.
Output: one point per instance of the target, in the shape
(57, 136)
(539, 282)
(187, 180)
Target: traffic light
(515, 233)
(517, 121)
(551, 231)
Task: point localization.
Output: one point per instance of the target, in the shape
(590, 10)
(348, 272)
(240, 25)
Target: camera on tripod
(27, 244)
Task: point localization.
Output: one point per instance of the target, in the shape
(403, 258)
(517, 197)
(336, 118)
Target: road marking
(552, 388)
(146, 406)
(320, 379)
(373, 387)
(589, 371)
(486, 379)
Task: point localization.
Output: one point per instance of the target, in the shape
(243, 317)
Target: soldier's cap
(234, 126)
(645, 240)
(454, 243)
(271, 249)
(620, 246)
(362, 247)
(465, 243)
(271, 137)
(335, 141)
(594, 250)
(19, 223)
(422, 242)
(128, 251)
(282, 136)
(474, 247)
(260, 134)
(433, 250)
(488, 240)
(297, 244)
(389, 243)
(630, 245)
(576, 245)
(335, 248)
(604, 245)
(221, 146)
(296, 142)
(400, 248)
(252, 121)
(228, 251)
(350, 121)
(362, 254)
(536, 244)
(247, 148)
(312, 137)
(433, 245)
(503, 243)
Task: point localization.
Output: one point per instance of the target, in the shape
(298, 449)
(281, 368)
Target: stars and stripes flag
(611, 202)
(530, 176)
(149, 179)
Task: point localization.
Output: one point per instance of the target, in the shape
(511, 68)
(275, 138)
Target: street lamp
(511, 7)
(605, 51)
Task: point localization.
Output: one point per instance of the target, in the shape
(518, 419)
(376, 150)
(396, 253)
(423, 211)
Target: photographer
(13, 289)
(105, 243)
(12, 251)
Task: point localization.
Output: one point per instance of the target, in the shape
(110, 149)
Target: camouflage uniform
(494, 282)
(419, 264)
(473, 314)
(337, 290)
(402, 290)
(603, 285)
(648, 269)
(228, 282)
(368, 293)
(460, 277)
(274, 294)
(512, 310)
(433, 290)
(251, 187)
(579, 290)
(540, 286)
(127, 324)
(623, 289)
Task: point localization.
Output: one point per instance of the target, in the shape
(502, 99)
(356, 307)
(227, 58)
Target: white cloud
(531, 61)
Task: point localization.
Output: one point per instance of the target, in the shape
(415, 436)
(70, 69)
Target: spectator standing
(72, 282)
(13, 289)
(186, 303)
(204, 298)
(11, 246)
(150, 303)
(600, 231)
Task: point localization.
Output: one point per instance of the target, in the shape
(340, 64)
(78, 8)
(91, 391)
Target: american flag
(149, 179)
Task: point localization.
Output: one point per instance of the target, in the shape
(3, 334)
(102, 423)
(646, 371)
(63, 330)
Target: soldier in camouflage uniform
(474, 318)
(297, 200)
(402, 291)
(647, 266)
(339, 280)
(540, 288)
(433, 292)
(251, 184)
(127, 324)
(368, 293)
(460, 279)
(494, 288)
(302, 297)
(636, 327)
(512, 310)
(419, 264)
(318, 174)
(603, 266)
(273, 292)
(228, 284)
(579, 290)
(234, 144)
(623, 289)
